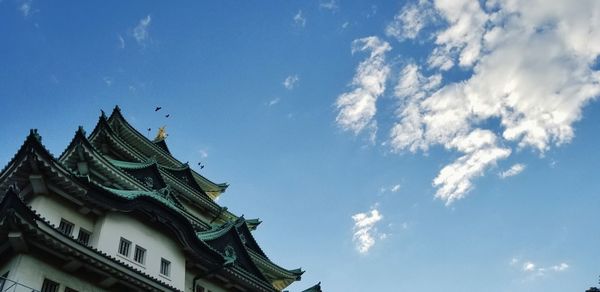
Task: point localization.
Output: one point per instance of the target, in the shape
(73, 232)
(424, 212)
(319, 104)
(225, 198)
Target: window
(199, 289)
(124, 246)
(84, 236)
(67, 289)
(139, 255)
(49, 286)
(65, 227)
(165, 267)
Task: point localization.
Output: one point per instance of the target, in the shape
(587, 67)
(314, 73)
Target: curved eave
(242, 224)
(188, 173)
(214, 189)
(80, 140)
(117, 117)
(275, 271)
(278, 276)
(34, 146)
(102, 128)
(229, 230)
(166, 177)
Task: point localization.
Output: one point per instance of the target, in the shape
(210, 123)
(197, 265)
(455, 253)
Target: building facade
(117, 212)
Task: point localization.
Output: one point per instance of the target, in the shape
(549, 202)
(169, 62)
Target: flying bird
(200, 164)
(167, 115)
(157, 108)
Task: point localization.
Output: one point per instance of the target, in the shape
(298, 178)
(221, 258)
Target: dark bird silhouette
(200, 164)
(167, 115)
(157, 108)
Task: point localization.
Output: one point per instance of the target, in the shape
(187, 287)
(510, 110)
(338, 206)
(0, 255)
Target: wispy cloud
(121, 41)
(203, 153)
(291, 81)
(299, 19)
(273, 101)
(410, 20)
(140, 31)
(534, 270)
(25, 7)
(534, 76)
(365, 231)
(108, 81)
(329, 4)
(356, 108)
(513, 170)
(395, 188)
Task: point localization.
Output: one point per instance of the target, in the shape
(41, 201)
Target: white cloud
(364, 229)
(513, 170)
(273, 101)
(528, 267)
(25, 7)
(329, 4)
(395, 188)
(203, 153)
(410, 20)
(291, 81)
(299, 19)
(535, 270)
(560, 267)
(357, 107)
(345, 25)
(528, 65)
(140, 31)
(121, 42)
(108, 81)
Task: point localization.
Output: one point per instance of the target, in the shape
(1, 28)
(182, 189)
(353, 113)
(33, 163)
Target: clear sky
(387, 146)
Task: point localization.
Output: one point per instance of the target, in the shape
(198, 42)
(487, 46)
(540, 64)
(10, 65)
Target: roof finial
(161, 135)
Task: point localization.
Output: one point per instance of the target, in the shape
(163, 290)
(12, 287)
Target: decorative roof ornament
(161, 135)
(149, 182)
(229, 252)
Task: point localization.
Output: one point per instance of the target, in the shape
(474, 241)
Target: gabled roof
(81, 150)
(164, 158)
(34, 158)
(238, 229)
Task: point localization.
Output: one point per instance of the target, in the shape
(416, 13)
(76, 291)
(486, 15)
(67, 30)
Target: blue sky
(387, 146)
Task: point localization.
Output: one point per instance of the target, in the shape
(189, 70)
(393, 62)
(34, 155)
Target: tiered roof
(117, 168)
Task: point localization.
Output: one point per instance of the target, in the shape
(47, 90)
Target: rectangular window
(84, 236)
(67, 289)
(65, 227)
(124, 246)
(49, 286)
(139, 255)
(199, 288)
(165, 267)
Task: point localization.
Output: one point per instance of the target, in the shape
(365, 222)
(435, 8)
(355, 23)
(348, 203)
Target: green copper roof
(131, 165)
(130, 195)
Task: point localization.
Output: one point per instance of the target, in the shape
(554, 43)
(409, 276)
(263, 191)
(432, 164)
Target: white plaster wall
(189, 279)
(113, 226)
(31, 272)
(53, 208)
